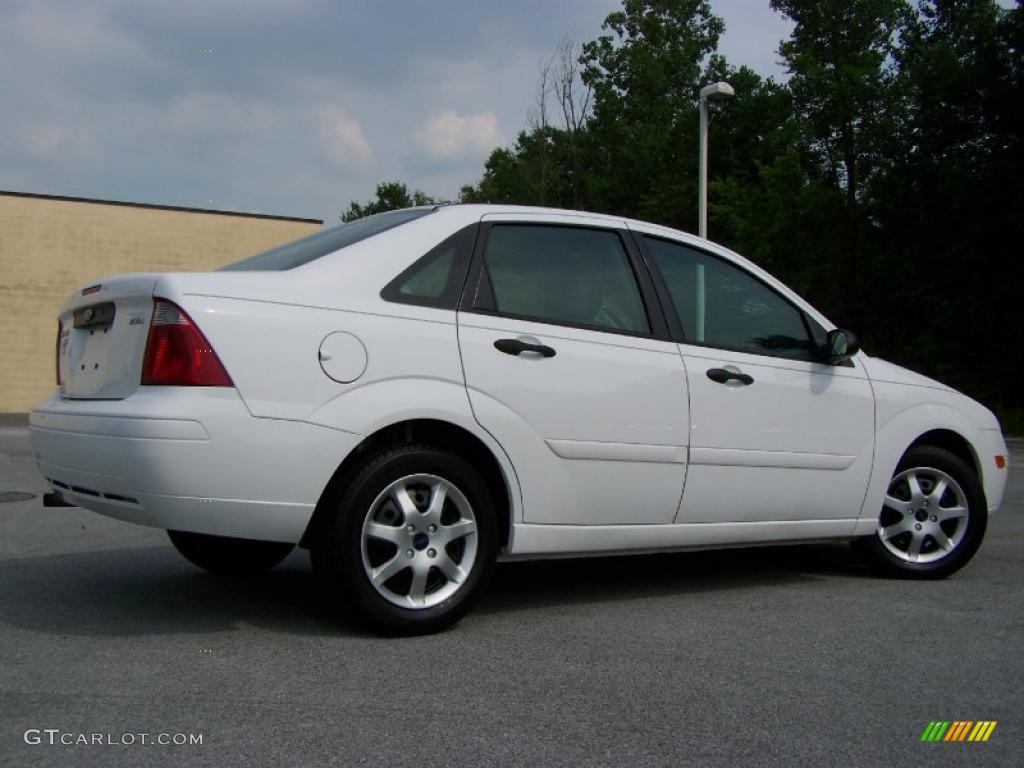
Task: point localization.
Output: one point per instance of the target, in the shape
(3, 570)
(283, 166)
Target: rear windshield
(307, 249)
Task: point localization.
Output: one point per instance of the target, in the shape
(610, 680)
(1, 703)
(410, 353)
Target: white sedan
(414, 395)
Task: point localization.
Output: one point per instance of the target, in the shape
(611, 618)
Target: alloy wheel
(924, 516)
(419, 541)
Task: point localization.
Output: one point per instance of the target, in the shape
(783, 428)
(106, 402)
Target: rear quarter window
(436, 278)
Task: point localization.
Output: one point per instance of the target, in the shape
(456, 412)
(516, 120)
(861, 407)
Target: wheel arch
(925, 424)
(432, 431)
(953, 442)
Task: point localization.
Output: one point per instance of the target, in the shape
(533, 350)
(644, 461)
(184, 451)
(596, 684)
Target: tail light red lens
(177, 353)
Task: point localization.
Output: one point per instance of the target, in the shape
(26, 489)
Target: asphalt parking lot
(786, 656)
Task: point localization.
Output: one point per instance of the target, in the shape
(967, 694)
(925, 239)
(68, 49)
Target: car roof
(480, 209)
(474, 211)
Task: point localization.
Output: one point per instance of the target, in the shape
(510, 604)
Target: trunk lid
(103, 334)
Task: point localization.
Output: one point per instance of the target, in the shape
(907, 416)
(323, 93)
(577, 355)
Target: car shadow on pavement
(542, 583)
(150, 591)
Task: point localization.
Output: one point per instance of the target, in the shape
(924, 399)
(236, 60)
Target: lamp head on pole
(720, 88)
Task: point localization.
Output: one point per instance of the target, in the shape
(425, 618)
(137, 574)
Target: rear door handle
(517, 347)
(724, 376)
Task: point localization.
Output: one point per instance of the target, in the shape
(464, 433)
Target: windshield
(312, 247)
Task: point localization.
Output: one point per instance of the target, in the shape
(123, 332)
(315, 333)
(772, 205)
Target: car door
(775, 433)
(568, 365)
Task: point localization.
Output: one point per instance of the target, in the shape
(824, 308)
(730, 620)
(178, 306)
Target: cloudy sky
(291, 107)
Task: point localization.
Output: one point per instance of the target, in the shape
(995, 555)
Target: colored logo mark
(958, 730)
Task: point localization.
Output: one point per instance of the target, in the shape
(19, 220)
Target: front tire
(411, 542)
(227, 556)
(933, 517)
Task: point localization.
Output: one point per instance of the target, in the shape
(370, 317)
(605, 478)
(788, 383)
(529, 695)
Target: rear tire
(227, 556)
(410, 541)
(933, 519)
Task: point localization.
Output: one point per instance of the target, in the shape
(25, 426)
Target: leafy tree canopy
(389, 196)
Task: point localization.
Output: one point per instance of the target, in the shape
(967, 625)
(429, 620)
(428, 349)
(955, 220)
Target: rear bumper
(189, 459)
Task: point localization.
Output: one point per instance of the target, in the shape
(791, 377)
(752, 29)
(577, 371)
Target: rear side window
(307, 249)
(721, 305)
(565, 275)
(436, 278)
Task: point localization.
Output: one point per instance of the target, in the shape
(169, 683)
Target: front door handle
(517, 347)
(724, 376)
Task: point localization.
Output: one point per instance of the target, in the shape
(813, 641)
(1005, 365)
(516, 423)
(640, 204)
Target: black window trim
(449, 298)
(674, 326)
(679, 334)
(478, 298)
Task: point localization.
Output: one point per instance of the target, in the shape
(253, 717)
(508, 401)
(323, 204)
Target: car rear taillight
(177, 353)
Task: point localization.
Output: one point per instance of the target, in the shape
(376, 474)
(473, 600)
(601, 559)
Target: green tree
(548, 164)
(389, 196)
(648, 70)
(950, 207)
(840, 57)
(540, 169)
(645, 76)
(848, 103)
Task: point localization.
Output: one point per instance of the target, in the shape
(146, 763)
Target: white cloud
(342, 138)
(123, 84)
(68, 31)
(221, 113)
(449, 135)
(56, 140)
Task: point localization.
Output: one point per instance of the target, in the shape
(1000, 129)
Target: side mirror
(840, 346)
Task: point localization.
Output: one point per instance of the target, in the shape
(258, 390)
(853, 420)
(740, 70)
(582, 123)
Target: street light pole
(715, 89)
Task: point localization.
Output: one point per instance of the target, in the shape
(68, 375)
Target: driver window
(720, 305)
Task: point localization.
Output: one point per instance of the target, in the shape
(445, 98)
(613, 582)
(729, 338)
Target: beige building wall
(50, 246)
